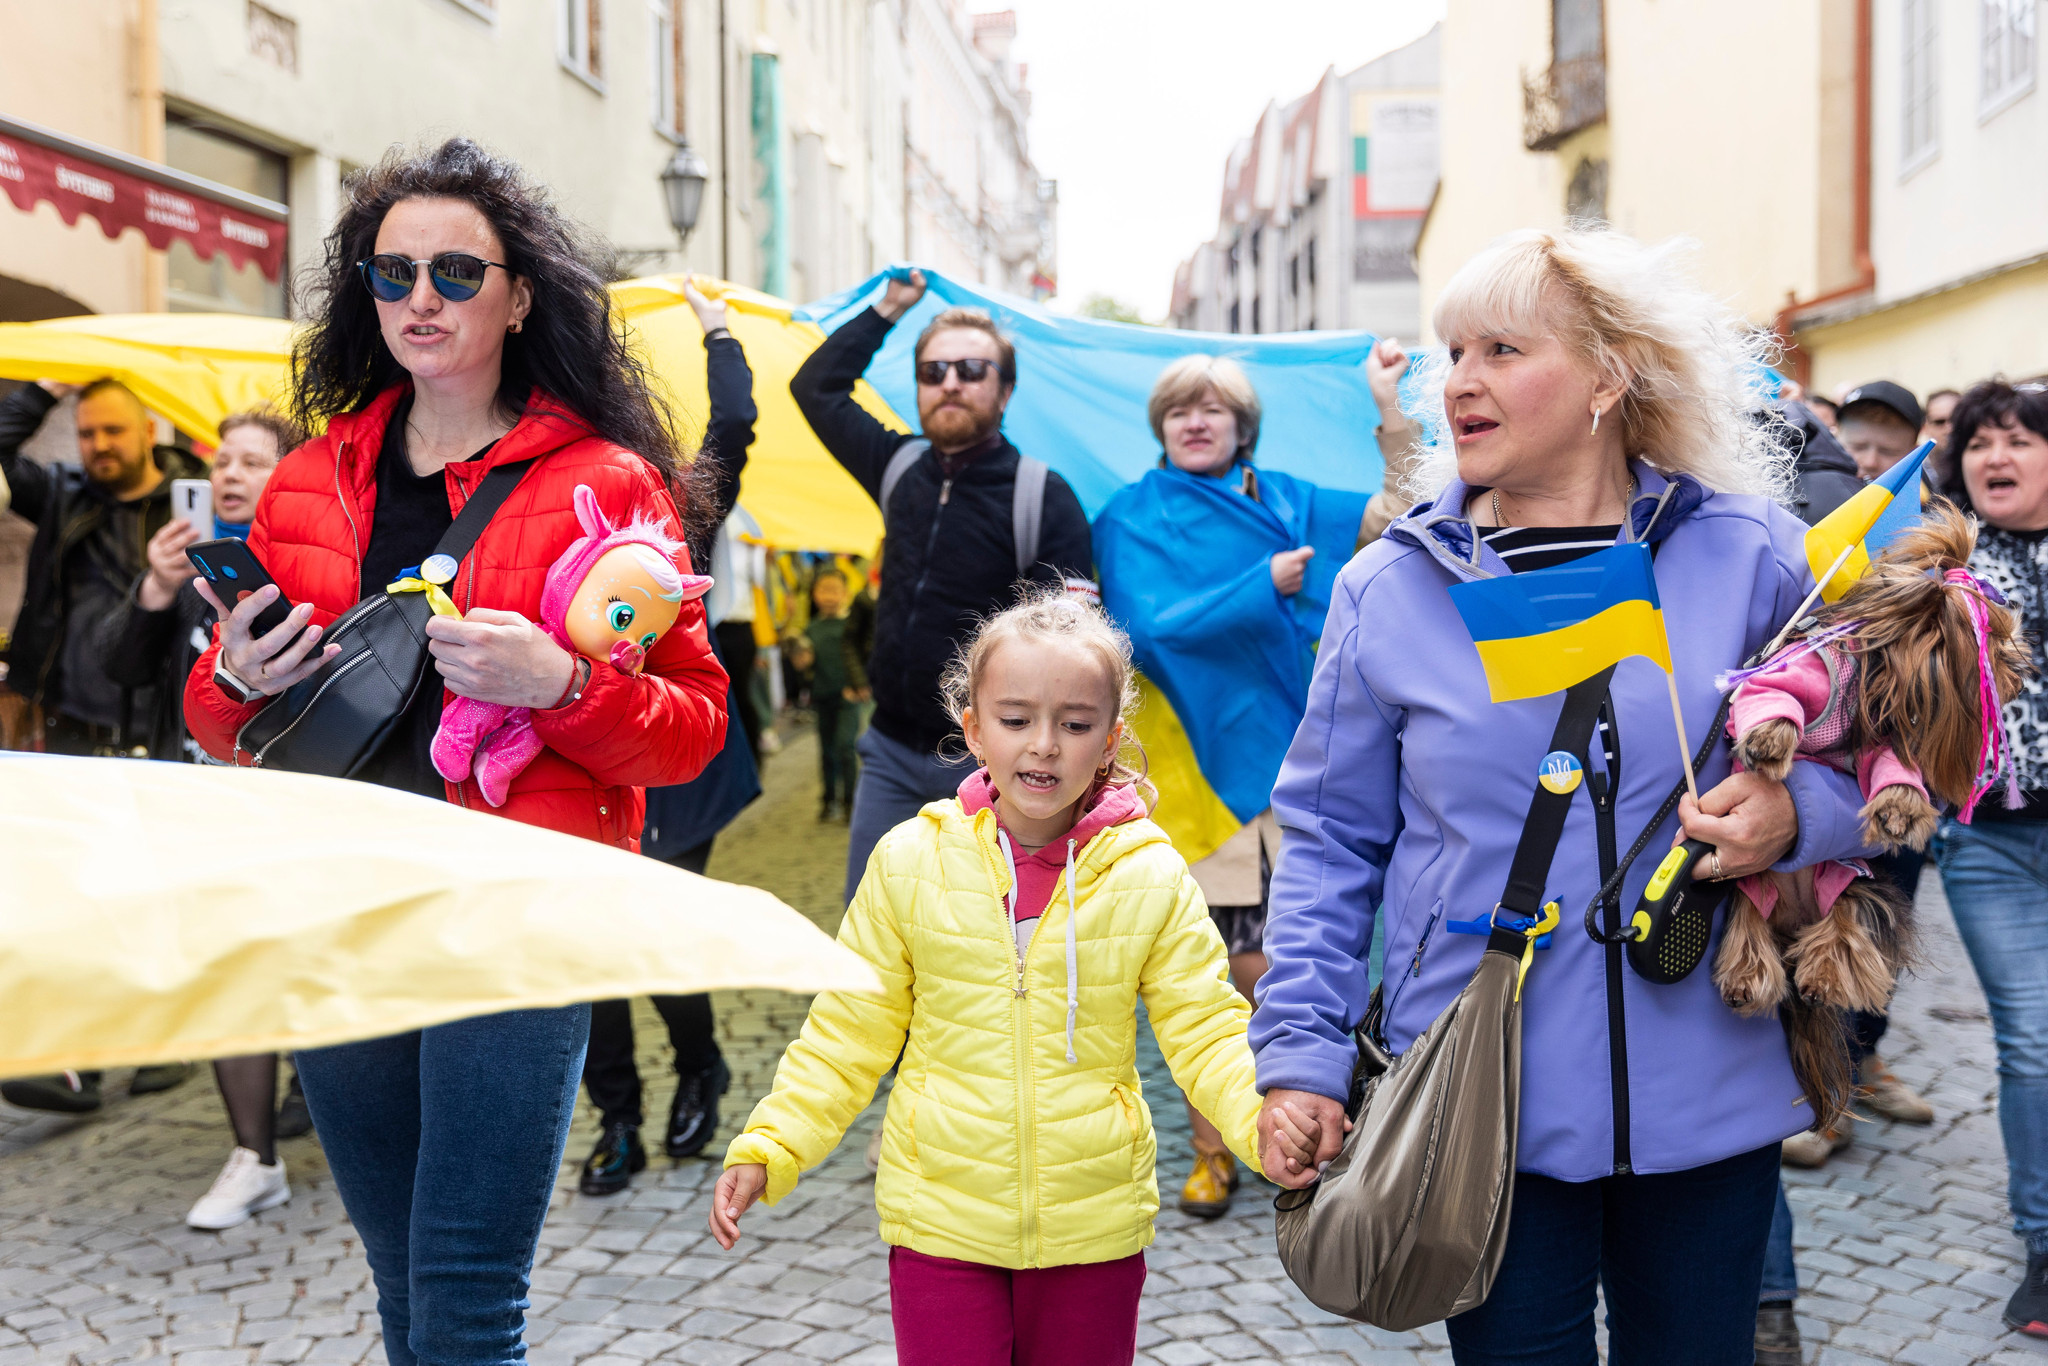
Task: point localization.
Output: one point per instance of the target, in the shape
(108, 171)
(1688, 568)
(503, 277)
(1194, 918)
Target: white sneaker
(244, 1187)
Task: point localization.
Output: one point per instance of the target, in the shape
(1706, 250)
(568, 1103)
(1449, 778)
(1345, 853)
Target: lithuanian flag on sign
(1542, 631)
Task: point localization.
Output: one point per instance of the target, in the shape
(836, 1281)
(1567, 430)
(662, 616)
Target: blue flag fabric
(1082, 387)
(1184, 561)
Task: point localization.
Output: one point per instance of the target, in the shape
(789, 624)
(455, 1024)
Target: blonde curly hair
(1696, 398)
(1049, 613)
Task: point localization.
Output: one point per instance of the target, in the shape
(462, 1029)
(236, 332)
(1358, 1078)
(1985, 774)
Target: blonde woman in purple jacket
(1591, 395)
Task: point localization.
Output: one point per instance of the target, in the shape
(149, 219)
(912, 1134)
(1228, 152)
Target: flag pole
(1800, 615)
(1684, 744)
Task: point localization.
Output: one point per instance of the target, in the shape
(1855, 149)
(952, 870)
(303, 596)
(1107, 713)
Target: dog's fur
(1916, 660)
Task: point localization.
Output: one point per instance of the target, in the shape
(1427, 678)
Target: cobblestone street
(1905, 1251)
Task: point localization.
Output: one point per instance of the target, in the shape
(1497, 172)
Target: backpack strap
(1027, 510)
(907, 454)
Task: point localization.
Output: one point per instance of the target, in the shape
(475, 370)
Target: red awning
(121, 192)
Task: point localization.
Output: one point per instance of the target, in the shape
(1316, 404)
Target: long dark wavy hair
(571, 346)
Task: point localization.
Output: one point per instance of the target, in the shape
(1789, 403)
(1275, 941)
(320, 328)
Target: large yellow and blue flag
(1542, 631)
(1866, 523)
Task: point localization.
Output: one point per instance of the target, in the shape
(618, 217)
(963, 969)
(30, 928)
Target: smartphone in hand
(192, 501)
(234, 574)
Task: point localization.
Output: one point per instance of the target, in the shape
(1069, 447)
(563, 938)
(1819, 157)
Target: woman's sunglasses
(973, 370)
(457, 275)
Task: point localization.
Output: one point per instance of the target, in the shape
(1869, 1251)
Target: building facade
(1321, 206)
(837, 135)
(1865, 184)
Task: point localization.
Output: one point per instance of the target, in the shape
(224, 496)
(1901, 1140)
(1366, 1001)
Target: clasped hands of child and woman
(1296, 1141)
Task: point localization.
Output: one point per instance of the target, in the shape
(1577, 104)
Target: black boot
(160, 1077)
(293, 1118)
(67, 1093)
(693, 1118)
(609, 1168)
(2027, 1311)
(1777, 1335)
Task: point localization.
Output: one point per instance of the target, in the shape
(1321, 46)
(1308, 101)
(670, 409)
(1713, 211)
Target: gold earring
(1596, 422)
(517, 324)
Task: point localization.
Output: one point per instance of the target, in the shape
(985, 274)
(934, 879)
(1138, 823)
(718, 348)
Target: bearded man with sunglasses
(954, 508)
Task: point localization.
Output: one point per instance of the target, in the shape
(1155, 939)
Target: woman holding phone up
(462, 324)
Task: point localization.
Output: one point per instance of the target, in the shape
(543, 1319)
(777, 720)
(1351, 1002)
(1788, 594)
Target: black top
(952, 552)
(411, 517)
(1545, 547)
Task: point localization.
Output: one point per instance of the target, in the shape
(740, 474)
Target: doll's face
(618, 602)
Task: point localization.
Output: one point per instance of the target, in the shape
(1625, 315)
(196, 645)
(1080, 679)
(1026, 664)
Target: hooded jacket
(625, 733)
(1404, 795)
(997, 1149)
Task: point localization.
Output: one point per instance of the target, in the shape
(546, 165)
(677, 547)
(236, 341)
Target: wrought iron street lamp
(682, 185)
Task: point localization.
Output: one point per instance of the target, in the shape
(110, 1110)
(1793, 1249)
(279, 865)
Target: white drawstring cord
(1073, 969)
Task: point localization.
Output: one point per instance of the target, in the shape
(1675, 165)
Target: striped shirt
(1544, 547)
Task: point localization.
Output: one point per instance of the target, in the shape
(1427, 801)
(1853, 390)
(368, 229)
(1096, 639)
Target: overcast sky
(1136, 103)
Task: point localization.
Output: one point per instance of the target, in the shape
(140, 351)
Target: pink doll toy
(613, 593)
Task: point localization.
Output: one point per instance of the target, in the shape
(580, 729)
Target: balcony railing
(1569, 96)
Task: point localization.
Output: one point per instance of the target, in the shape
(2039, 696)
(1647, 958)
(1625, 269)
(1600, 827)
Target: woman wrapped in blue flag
(1221, 573)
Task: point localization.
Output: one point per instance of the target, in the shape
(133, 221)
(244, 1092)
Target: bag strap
(1544, 827)
(1027, 510)
(461, 536)
(907, 454)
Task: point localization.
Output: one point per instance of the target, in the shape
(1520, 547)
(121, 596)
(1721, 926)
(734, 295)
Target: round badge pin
(439, 569)
(1560, 772)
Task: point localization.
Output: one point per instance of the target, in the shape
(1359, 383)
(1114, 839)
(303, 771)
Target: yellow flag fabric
(159, 911)
(1188, 810)
(194, 368)
(801, 496)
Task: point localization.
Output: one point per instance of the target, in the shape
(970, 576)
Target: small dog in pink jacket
(1899, 682)
(609, 597)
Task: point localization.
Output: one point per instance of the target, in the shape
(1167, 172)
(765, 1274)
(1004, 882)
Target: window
(578, 28)
(209, 284)
(665, 56)
(2006, 53)
(1919, 83)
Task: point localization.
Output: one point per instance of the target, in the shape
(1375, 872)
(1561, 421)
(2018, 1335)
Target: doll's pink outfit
(497, 742)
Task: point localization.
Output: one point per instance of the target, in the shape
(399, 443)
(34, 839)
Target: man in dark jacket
(93, 521)
(950, 519)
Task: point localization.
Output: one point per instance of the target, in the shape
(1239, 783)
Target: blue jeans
(1679, 1254)
(1781, 1273)
(1996, 875)
(895, 783)
(444, 1144)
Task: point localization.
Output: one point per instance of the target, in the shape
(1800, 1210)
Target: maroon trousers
(951, 1313)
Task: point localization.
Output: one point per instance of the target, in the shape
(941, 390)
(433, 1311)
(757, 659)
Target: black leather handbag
(334, 722)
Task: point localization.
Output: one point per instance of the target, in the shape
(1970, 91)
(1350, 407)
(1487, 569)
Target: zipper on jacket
(1392, 988)
(1604, 780)
(924, 571)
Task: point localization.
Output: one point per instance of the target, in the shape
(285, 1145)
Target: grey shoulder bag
(1408, 1223)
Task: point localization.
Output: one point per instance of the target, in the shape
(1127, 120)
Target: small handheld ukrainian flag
(1542, 631)
(1842, 544)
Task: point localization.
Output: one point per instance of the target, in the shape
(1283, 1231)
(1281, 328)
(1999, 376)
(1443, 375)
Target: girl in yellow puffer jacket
(1014, 930)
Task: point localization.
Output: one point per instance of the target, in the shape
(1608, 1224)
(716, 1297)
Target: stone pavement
(1904, 1246)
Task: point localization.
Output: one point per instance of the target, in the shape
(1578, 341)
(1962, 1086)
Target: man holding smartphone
(92, 521)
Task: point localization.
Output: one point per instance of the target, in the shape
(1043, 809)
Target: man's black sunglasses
(973, 370)
(457, 275)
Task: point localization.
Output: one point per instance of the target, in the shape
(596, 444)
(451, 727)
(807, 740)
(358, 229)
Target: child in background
(1016, 1186)
(838, 681)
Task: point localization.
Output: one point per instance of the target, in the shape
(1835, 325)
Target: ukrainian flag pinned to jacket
(1544, 630)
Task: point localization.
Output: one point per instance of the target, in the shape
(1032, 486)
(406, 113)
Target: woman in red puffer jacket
(463, 326)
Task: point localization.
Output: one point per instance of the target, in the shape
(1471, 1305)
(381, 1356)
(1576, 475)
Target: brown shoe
(1814, 1147)
(1209, 1186)
(1883, 1092)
